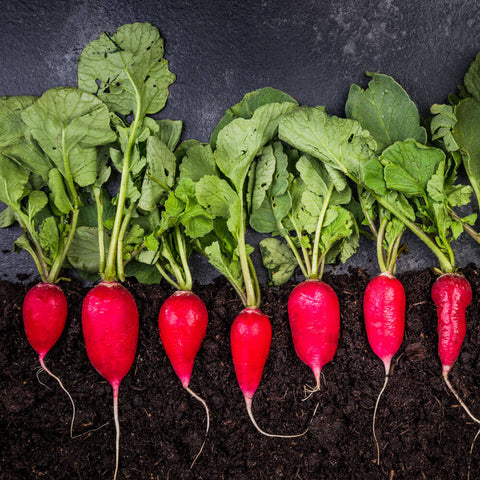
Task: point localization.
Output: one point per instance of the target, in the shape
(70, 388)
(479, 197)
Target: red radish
(314, 314)
(250, 339)
(44, 317)
(384, 312)
(110, 329)
(182, 325)
(452, 294)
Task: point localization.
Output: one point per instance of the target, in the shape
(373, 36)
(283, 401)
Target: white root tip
(204, 403)
(248, 403)
(459, 400)
(42, 363)
(117, 430)
(375, 414)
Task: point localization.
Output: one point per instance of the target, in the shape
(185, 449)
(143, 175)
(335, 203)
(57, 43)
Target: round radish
(314, 314)
(384, 312)
(250, 339)
(44, 316)
(110, 330)
(182, 325)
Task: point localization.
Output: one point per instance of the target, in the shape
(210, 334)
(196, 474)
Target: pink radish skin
(314, 314)
(110, 330)
(452, 294)
(182, 325)
(250, 339)
(384, 312)
(44, 316)
(45, 312)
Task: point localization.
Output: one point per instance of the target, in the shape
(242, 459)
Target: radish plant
(387, 112)
(48, 153)
(416, 184)
(223, 174)
(128, 73)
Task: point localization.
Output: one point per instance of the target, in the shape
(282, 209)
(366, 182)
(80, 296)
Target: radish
(250, 339)
(452, 294)
(182, 324)
(44, 317)
(314, 315)
(384, 312)
(110, 329)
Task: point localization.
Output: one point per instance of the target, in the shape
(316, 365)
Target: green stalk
(166, 276)
(306, 256)
(37, 252)
(393, 254)
(177, 272)
(293, 248)
(110, 271)
(446, 264)
(316, 243)
(57, 264)
(97, 192)
(121, 236)
(183, 257)
(380, 249)
(256, 285)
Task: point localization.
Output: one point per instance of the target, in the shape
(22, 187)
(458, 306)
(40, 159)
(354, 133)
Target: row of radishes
(309, 180)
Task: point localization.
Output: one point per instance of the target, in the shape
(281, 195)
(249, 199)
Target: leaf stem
(316, 243)
(181, 247)
(57, 264)
(121, 236)
(110, 271)
(380, 249)
(306, 256)
(294, 250)
(166, 276)
(97, 192)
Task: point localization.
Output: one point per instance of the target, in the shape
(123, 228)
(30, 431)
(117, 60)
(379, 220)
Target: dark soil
(423, 432)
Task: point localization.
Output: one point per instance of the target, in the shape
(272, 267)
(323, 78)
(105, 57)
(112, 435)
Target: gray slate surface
(219, 50)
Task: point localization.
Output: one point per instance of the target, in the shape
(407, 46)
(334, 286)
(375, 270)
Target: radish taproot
(110, 329)
(314, 315)
(220, 171)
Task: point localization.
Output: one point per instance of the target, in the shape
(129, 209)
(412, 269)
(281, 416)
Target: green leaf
(467, 134)
(373, 174)
(472, 79)
(409, 166)
(7, 217)
(229, 267)
(144, 273)
(278, 259)
(127, 70)
(442, 124)
(13, 183)
(49, 237)
(341, 143)
(58, 194)
(247, 106)
(197, 162)
(216, 195)
(16, 141)
(37, 200)
(386, 111)
(240, 141)
(69, 125)
(160, 175)
(83, 253)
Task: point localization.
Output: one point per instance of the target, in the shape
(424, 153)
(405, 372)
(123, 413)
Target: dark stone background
(219, 50)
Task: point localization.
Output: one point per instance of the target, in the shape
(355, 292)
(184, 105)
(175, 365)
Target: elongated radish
(314, 314)
(384, 312)
(250, 339)
(110, 330)
(452, 294)
(182, 325)
(44, 315)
